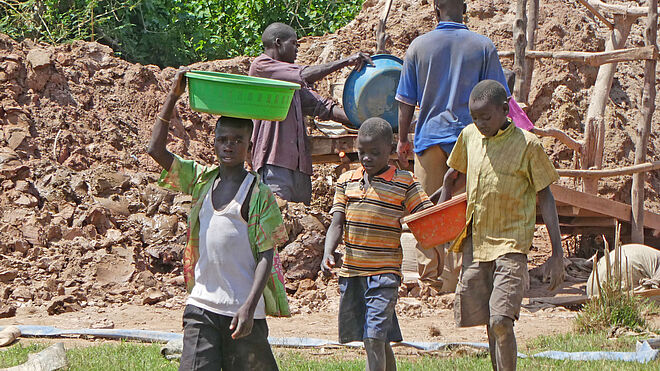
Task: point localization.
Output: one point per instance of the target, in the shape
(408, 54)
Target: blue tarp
(643, 354)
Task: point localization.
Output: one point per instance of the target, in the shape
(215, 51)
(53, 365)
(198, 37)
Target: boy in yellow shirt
(503, 169)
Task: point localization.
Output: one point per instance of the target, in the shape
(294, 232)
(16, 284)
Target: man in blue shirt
(439, 71)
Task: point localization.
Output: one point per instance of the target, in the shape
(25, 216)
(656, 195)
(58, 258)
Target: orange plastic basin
(438, 224)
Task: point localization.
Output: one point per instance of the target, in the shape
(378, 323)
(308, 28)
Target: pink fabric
(519, 116)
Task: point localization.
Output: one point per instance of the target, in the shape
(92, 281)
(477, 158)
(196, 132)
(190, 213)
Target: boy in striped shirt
(367, 207)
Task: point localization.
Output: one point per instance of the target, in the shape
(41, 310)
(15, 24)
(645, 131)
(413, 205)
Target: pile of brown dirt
(83, 222)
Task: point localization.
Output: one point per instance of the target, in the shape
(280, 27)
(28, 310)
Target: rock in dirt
(7, 276)
(153, 296)
(62, 304)
(8, 335)
(103, 324)
(7, 310)
(116, 267)
(39, 58)
(50, 359)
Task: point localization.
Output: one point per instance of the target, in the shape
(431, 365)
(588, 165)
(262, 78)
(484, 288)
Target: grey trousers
(290, 185)
(207, 344)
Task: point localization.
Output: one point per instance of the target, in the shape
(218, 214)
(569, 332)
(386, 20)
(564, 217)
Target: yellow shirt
(504, 173)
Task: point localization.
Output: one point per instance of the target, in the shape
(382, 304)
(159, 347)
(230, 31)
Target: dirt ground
(433, 327)
(87, 238)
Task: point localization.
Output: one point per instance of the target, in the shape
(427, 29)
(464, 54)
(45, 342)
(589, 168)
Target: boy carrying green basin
(233, 228)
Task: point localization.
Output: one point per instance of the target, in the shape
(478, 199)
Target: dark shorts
(486, 289)
(366, 308)
(291, 185)
(207, 344)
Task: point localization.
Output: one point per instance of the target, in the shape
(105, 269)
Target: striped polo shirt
(372, 230)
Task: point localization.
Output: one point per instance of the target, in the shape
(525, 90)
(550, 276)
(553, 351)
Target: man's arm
(453, 181)
(332, 239)
(338, 114)
(312, 74)
(244, 318)
(404, 147)
(158, 143)
(551, 220)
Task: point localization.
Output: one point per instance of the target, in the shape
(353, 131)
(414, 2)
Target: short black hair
(235, 122)
(277, 30)
(376, 127)
(489, 90)
(449, 4)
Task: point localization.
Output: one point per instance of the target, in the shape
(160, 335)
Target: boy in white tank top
(234, 226)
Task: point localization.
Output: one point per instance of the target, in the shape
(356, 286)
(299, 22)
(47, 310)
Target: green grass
(134, 356)
(106, 357)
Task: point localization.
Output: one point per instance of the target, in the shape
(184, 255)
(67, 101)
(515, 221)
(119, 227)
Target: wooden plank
(588, 201)
(601, 205)
(647, 293)
(591, 222)
(567, 210)
(333, 144)
(560, 300)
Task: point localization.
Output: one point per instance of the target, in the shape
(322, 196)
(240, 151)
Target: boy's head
(280, 42)
(232, 140)
(489, 107)
(375, 145)
(449, 10)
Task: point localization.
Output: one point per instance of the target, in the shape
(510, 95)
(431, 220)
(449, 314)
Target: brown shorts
(485, 289)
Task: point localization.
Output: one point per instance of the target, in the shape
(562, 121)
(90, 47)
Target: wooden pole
(561, 136)
(615, 9)
(520, 44)
(591, 58)
(627, 170)
(528, 69)
(594, 131)
(644, 126)
(597, 14)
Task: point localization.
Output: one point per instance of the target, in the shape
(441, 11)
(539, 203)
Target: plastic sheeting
(643, 354)
(119, 334)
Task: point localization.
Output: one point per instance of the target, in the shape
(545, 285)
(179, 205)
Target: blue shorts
(366, 308)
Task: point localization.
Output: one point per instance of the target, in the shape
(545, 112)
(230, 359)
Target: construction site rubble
(83, 222)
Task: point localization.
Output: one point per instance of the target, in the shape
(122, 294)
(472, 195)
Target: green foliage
(131, 356)
(17, 354)
(612, 305)
(171, 32)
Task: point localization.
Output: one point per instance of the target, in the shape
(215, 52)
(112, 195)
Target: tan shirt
(504, 173)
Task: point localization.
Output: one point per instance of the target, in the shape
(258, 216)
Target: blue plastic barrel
(370, 91)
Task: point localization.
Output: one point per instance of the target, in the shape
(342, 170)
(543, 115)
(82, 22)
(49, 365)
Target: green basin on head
(240, 96)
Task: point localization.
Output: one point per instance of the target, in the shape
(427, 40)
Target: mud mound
(560, 90)
(83, 223)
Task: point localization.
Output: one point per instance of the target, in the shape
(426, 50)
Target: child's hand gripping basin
(438, 224)
(240, 96)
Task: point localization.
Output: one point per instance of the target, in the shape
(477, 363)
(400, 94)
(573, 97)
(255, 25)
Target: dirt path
(438, 327)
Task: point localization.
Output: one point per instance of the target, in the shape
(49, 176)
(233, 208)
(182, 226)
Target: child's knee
(500, 325)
